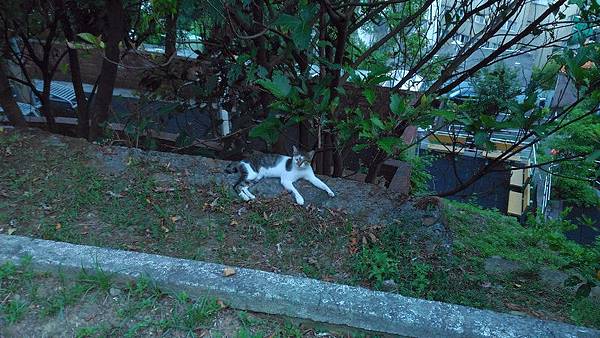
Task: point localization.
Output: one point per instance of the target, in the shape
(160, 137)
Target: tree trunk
(108, 73)
(83, 121)
(171, 32)
(327, 154)
(303, 135)
(375, 166)
(46, 108)
(7, 101)
(338, 164)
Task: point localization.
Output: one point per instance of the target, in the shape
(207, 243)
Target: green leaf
(184, 140)
(168, 108)
(397, 104)
(268, 130)
(369, 94)
(294, 120)
(301, 28)
(324, 43)
(89, 38)
(280, 106)
(375, 80)
(447, 114)
(334, 104)
(64, 68)
(480, 138)
(287, 21)
(340, 90)
(326, 94)
(234, 73)
(389, 143)
(302, 36)
(377, 122)
(279, 86)
(593, 156)
(359, 147)
(487, 121)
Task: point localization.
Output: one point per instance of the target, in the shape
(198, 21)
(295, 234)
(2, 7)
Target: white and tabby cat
(287, 169)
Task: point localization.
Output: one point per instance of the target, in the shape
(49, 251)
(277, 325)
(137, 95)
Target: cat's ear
(295, 150)
(310, 154)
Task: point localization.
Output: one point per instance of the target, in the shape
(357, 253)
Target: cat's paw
(249, 194)
(330, 193)
(300, 200)
(244, 196)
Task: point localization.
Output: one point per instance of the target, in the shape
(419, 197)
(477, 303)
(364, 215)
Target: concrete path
(291, 296)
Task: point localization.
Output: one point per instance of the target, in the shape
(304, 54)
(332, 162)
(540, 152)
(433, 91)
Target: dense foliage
(341, 77)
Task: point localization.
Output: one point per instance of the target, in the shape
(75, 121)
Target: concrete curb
(290, 296)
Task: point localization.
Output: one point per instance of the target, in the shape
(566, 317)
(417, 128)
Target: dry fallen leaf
(58, 226)
(233, 223)
(175, 218)
(241, 211)
(221, 304)
(11, 231)
(329, 278)
(372, 237)
(164, 189)
(164, 228)
(113, 194)
(228, 272)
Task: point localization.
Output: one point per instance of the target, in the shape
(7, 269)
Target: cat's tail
(232, 168)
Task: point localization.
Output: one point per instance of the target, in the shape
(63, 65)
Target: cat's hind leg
(248, 193)
(241, 188)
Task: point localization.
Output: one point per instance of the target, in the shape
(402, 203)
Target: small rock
(55, 141)
(552, 277)
(228, 272)
(389, 285)
(163, 180)
(114, 292)
(498, 265)
(427, 221)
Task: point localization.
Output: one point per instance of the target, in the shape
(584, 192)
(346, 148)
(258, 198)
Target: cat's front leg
(320, 184)
(290, 187)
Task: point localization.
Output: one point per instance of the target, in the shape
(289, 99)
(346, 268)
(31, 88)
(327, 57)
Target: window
(461, 38)
(509, 26)
(491, 45)
(480, 19)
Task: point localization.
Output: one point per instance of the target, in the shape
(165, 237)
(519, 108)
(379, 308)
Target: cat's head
(302, 159)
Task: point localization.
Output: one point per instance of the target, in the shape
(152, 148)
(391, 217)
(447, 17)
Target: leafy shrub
(376, 265)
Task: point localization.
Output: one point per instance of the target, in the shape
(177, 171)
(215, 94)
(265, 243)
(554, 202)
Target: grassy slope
(55, 192)
(93, 305)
